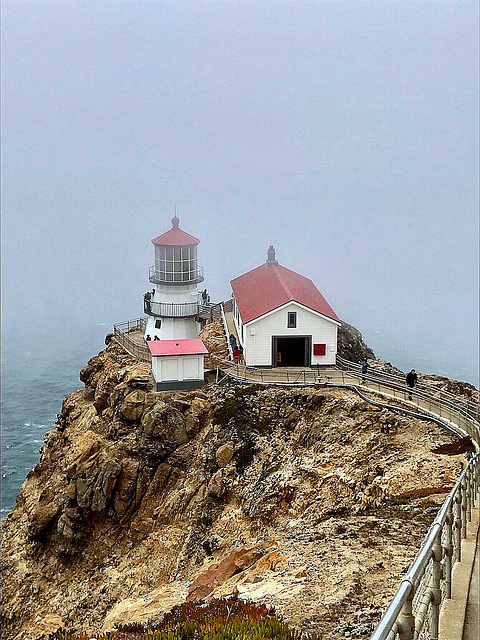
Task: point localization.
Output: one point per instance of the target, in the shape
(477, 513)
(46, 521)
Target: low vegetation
(219, 619)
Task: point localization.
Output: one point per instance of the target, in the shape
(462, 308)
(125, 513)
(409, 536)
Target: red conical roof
(175, 236)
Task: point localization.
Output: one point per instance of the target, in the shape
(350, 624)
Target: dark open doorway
(291, 351)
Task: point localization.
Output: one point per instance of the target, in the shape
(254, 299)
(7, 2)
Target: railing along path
(134, 348)
(415, 609)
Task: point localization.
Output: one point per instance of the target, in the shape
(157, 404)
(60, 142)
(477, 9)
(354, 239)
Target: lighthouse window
(158, 324)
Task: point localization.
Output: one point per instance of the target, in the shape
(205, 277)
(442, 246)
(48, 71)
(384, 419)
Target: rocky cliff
(351, 345)
(310, 500)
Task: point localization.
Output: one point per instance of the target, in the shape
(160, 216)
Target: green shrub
(219, 619)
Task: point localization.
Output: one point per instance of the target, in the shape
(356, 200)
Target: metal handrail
(472, 406)
(138, 324)
(121, 331)
(348, 365)
(393, 382)
(401, 603)
(405, 618)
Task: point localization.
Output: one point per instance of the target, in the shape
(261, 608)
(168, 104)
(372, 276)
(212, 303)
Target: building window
(319, 349)
(292, 319)
(158, 324)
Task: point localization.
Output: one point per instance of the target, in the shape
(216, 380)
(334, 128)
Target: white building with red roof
(178, 364)
(282, 319)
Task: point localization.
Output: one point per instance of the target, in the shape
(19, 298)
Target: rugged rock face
(308, 499)
(214, 338)
(351, 345)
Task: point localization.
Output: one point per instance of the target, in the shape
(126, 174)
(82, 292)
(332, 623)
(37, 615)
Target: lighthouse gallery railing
(170, 309)
(157, 276)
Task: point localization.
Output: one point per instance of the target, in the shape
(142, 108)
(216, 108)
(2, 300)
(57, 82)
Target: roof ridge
(282, 282)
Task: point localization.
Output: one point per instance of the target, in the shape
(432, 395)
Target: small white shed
(177, 364)
(282, 319)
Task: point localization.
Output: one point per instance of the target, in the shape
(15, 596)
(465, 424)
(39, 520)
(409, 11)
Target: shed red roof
(188, 347)
(175, 236)
(270, 286)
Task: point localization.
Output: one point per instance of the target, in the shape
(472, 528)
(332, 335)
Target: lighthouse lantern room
(172, 306)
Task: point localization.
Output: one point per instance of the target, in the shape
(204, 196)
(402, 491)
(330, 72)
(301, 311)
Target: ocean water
(36, 375)
(39, 372)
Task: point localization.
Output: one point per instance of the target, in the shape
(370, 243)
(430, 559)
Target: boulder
(166, 425)
(192, 425)
(132, 407)
(104, 485)
(224, 454)
(351, 345)
(237, 561)
(42, 518)
(84, 492)
(65, 527)
(216, 486)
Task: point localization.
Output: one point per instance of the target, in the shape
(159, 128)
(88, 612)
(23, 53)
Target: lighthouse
(173, 311)
(172, 306)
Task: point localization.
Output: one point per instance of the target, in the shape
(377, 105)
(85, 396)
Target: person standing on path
(364, 370)
(411, 382)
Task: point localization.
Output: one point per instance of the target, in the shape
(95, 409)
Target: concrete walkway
(459, 615)
(231, 325)
(471, 628)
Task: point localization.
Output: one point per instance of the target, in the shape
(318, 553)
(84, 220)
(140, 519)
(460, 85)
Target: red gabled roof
(175, 236)
(270, 286)
(188, 347)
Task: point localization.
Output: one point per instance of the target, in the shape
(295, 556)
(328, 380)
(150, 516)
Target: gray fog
(344, 133)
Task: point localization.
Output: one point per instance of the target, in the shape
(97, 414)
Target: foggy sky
(343, 133)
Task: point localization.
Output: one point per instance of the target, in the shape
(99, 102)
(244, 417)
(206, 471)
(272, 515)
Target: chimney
(271, 256)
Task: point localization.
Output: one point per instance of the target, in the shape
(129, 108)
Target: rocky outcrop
(465, 389)
(288, 496)
(351, 345)
(214, 338)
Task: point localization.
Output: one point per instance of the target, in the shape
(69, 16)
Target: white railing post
(448, 553)
(435, 586)
(464, 507)
(457, 523)
(469, 493)
(406, 621)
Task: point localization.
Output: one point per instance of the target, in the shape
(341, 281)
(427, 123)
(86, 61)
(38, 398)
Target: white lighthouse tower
(173, 310)
(173, 305)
